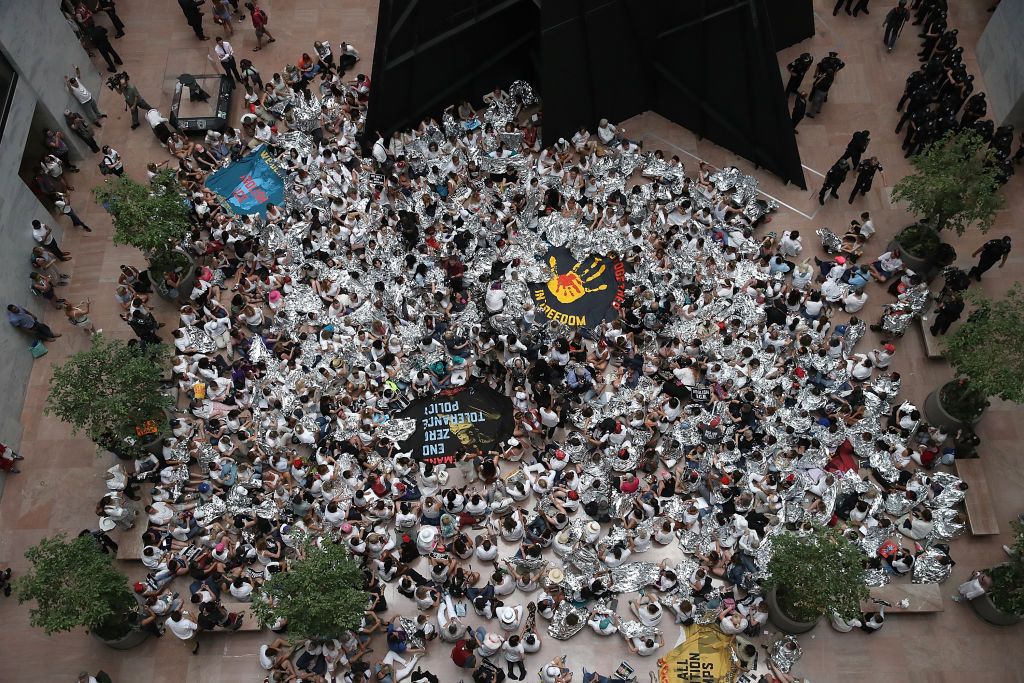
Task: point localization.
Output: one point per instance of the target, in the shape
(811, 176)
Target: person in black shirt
(894, 22)
(799, 110)
(797, 69)
(98, 37)
(835, 177)
(991, 253)
(857, 145)
(865, 175)
(948, 312)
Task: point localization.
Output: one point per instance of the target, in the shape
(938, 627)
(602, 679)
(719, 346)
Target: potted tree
(813, 575)
(320, 596)
(1003, 603)
(922, 250)
(113, 393)
(955, 184)
(75, 585)
(986, 353)
(153, 218)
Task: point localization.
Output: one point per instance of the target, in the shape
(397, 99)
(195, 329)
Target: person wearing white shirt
(790, 245)
(226, 54)
(607, 133)
(854, 301)
(84, 97)
(241, 589)
(494, 299)
(644, 646)
(182, 626)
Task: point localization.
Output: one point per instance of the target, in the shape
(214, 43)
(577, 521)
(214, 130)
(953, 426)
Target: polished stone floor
(61, 477)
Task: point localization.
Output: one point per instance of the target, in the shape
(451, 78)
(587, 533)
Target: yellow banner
(704, 657)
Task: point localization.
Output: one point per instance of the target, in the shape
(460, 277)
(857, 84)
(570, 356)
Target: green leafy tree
(321, 595)
(954, 184)
(75, 584)
(1007, 592)
(152, 218)
(816, 574)
(986, 350)
(109, 390)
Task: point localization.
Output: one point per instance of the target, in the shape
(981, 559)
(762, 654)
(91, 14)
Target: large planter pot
(922, 266)
(132, 639)
(937, 414)
(781, 620)
(986, 609)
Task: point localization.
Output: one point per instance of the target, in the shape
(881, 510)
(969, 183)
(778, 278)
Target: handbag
(38, 349)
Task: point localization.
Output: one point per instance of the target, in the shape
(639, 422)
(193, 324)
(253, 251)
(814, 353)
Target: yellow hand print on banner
(571, 286)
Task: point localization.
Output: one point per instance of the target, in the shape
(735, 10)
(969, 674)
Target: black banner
(468, 416)
(580, 293)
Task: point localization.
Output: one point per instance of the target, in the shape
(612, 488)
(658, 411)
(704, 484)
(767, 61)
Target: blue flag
(248, 185)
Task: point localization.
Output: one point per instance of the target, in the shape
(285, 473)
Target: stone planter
(937, 415)
(922, 266)
(783, 622)
(132, 639)
(984, 608)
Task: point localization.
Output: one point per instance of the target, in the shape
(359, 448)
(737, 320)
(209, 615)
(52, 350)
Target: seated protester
(888, 265)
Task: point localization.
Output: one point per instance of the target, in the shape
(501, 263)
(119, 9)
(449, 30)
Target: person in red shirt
(259, 22)
(462, 654)
(7, 459)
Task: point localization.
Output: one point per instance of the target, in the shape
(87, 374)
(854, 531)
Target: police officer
(835, 177)
(799, 109)
(949, 310)
(992, 252)
(797, 69)
(865, 176)
(857, 145)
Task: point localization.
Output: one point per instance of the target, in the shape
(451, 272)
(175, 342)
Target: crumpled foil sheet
(785, 652)
(561, 626)
(634, 576)
(930, 568)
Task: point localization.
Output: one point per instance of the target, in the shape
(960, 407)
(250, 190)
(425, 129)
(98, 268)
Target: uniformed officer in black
(797, 69)
(865, 176)
(918, 103)
(799, 110)
(857, 145)
(914, 81)
(835, 177)
(992, 252)
(949, 310)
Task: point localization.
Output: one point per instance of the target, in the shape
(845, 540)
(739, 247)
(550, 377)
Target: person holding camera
(133, 99)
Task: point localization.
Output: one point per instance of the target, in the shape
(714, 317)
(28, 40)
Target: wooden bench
(129, 542)
(249, 622)
(981, 517)
(923, 597)
(931, 344)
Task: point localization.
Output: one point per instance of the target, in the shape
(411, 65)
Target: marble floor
(61, 478)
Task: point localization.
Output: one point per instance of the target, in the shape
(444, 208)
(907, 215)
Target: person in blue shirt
(19, 317)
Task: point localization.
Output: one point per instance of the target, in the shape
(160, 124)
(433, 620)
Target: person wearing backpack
(259, 22)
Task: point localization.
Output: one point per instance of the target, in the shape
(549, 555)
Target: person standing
(857, 145)
(80, 127)
(797, 69)
(112, 161)
(799, 110)
(949, 310)
(894, 21)
(54, 168)
(63, 205)
(861, 6)
(55, 142)
(190, 8)
(259, 22)
(109, 7)
(84, 97)
(186, 630)
(98, 37)
(976, 108)
(865, 176)
(992, 252)
(43, 236)
(835, 177)
(19, 317)
(134, 99)
(819, 92)
(226, 54)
